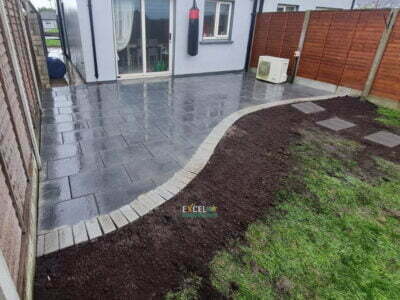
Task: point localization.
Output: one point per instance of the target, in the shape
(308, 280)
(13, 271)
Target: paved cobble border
(67, 236)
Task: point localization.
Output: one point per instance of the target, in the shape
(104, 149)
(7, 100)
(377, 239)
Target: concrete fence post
(303, 35)
(380, 52)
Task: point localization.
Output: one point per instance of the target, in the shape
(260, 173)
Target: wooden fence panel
(365, 42)
(260, 38)
(387, 80)
(337, 45)
(340, 46)
(16, 154)
(14, 17)
(314, 44)
(277, 34)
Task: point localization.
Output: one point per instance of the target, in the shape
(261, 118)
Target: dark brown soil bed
(152, 256)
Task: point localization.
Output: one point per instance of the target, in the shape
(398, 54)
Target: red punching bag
(193, 39)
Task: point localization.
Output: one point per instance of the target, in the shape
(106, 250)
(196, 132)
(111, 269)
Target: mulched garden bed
(153, 256)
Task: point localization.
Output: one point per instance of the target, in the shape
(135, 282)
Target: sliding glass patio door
(142, 34)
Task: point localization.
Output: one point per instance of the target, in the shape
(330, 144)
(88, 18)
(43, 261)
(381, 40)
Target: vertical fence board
(314, 45)
(260, 38)
(361, 54)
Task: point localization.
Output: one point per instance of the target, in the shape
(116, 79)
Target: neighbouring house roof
(48, 15)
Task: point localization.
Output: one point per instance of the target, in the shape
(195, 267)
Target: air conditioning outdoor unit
(272, 69)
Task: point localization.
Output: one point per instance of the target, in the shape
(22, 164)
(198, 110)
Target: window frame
(217, 36)
(285, 6)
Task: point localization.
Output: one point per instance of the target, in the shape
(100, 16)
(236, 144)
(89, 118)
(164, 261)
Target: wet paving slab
(104, 144)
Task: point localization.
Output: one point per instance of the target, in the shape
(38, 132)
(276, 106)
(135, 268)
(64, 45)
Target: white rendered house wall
(272, 5)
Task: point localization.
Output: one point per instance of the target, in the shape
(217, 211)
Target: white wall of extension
(212, 57)
(272, 5)
(216, 57)
(104, 37)
(73, 37)
(77, 24)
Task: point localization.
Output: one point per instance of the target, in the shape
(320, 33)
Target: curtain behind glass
(123, 21)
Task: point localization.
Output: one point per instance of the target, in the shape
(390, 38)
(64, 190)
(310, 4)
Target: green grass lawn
(53, 43)
(335, 235)
(54, 30)
(389, 117)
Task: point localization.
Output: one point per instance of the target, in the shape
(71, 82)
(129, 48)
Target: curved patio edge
(70, 235)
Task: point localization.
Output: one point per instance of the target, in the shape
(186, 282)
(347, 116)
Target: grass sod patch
(53, 43)
(53, 30)
(189, 290)
(389, 117)
(338, 239)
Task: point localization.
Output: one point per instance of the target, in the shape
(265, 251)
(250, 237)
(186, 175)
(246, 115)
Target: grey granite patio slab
(57, 118)
(66, 126)
(308, 107)
(84, 134)
(102, 144)
(107, 179)
(51, 139)
(73, 165)
(336, 124)
(53, 152)
(144, 136)
(130, 136)
(54, 191)
(151, 168)
(384, 138)
(112, 200)
(137, 152)
(67, 212)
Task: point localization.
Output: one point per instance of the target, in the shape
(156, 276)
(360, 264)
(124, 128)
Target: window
(217, 19)
(287, 8)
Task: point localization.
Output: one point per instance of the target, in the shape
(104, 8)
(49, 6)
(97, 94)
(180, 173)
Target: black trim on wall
(251, 33)
(96, 68)
(261, 7)
(60, 18)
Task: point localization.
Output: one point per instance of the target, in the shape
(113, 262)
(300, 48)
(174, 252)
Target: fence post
(307, 15)
(380, 52)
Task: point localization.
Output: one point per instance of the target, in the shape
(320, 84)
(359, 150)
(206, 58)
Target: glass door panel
(157, 23)
(128, 35)
(224, 13)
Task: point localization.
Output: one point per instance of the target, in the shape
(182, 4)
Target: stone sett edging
(70, 235)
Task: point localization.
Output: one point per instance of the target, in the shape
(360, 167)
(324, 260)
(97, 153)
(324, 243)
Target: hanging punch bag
(193, 39)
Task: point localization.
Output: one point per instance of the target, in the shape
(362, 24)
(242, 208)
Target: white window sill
(215, 41)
